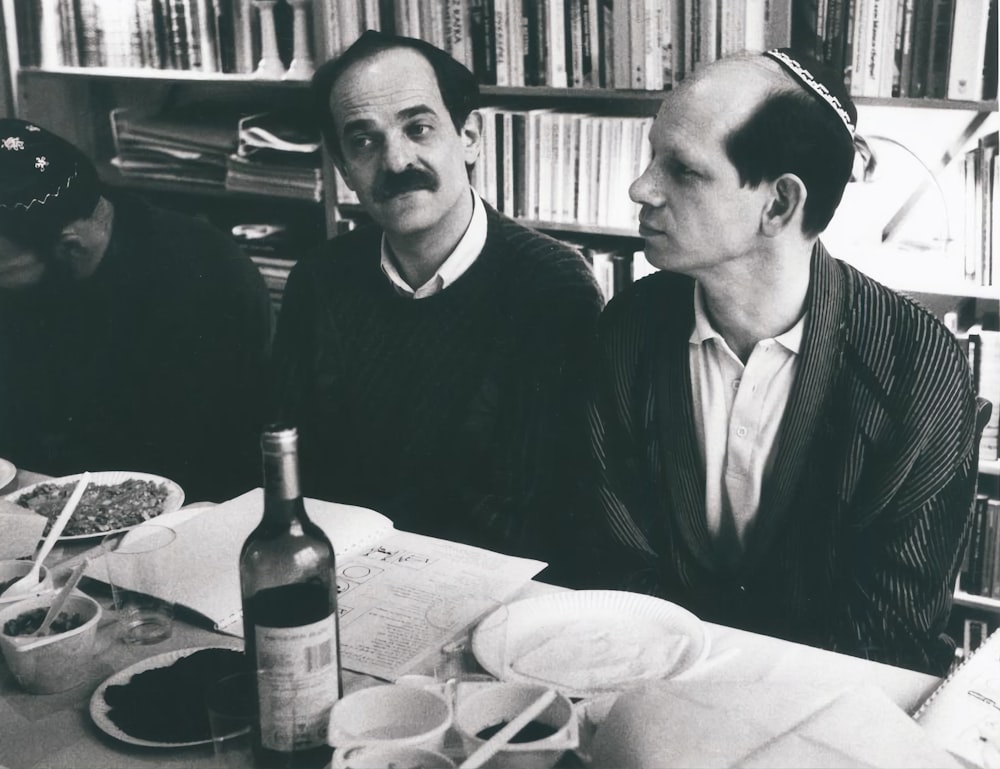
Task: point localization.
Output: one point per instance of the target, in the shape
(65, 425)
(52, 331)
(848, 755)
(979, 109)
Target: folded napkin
(22, 529)
(726, 724)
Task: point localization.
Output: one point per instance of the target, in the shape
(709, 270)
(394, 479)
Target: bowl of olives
(57, 660)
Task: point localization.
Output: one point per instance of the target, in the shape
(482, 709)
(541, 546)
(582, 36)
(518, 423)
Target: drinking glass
(135, 560)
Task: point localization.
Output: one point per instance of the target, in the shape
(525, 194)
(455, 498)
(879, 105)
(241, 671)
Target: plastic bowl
(493, 704)
(60, 663)
(388, 715)
(18, 568)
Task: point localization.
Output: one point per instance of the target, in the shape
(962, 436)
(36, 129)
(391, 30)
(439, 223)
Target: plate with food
(160, 701)
(590, 642)
(7, 472)
(113, 501)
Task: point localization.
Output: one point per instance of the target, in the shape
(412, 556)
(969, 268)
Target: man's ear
(784, 206)
(472, 136)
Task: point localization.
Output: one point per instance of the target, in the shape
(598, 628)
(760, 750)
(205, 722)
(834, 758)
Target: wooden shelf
(543, 93)
(976, 601)
(157, 75)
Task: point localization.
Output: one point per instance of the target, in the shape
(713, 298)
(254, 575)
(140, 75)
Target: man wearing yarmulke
(131, 338)
(783, 444)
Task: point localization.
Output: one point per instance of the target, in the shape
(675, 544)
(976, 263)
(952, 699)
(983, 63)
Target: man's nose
(644, 190)
(398, 154)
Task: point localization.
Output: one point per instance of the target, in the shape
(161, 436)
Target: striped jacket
(866, 511)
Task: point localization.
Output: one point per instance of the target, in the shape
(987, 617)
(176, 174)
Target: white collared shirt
(738, 411)
(460, 260)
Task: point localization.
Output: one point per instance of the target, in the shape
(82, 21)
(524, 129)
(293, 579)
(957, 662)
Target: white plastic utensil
(59, 601)
(488, 749)
(29, 581)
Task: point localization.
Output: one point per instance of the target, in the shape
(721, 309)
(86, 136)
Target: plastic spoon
(31, 580)
(62, 596)
(488, 749)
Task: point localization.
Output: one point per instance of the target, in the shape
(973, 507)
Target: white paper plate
(99, 709)
(173, 501)
(590, 642)
(7, 472)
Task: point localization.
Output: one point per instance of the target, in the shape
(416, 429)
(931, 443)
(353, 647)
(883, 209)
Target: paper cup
(390, 716)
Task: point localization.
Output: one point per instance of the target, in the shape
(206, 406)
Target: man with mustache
(432, 362)
(784, 445)
(131, 338)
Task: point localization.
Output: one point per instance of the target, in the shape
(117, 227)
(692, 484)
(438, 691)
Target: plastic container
(12, 569)
(61, 662)
(390, 716)
(492, 704)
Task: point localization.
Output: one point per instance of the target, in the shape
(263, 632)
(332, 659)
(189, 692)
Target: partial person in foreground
(432, 361)
(131, 338)
(784, 445)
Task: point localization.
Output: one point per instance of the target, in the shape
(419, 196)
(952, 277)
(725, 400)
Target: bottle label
(297, 684)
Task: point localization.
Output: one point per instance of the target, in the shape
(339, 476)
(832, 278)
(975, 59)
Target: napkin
(22, 529)
(727, 724)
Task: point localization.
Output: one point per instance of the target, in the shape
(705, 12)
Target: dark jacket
(864, 516)
(155, 363)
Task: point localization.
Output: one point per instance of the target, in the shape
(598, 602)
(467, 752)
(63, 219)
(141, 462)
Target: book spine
(906, 59)
(940, 49)
(555, 25)
(968, 49)
(778, 24)
(974, 583)
(622, 46)
(457, 32)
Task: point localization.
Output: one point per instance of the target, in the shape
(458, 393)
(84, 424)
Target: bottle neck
(282, 493)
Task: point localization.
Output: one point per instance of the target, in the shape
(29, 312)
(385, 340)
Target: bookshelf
(522, 72)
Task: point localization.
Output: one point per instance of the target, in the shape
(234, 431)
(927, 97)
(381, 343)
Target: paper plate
(590, 642)
(7, 472)
(173, 500)
(99, 709)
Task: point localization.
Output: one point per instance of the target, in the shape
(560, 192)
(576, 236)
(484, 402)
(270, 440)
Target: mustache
(392, 184)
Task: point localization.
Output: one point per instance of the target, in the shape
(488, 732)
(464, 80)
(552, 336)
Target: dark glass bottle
(289, 589)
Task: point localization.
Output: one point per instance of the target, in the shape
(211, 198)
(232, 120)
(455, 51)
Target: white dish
(99, 709)
(173, 501)
(590, 642)
(7, 472)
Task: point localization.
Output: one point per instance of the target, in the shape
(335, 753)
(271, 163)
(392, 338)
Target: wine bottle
(289, 592)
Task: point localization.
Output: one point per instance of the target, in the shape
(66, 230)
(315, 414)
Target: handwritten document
(405, 597)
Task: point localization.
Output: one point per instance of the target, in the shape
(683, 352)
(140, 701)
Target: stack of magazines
(276, 155)
(188, 144)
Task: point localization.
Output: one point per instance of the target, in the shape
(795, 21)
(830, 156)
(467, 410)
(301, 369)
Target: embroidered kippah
(794, 67)
(45, 182)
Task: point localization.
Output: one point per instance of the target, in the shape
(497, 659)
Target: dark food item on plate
(168, 704)
(28, 622)
(103, 507)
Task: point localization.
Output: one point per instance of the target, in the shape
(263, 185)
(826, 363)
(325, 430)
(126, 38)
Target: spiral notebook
(963, 714)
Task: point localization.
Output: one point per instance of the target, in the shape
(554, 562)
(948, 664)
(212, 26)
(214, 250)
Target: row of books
(934, 48)
(906, 48)
(981, 176)
(980, 574)
(549, 166)
(984, 357)
(197, 35)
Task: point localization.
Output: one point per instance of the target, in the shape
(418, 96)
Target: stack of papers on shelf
(276, 155)
(386, 579)
(185, 144)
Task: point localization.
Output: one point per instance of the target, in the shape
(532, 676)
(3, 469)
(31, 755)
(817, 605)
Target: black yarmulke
(45, 182)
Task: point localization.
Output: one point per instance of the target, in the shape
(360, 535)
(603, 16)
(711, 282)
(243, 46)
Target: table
(56, 731)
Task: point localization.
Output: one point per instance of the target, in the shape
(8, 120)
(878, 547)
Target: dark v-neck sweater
(457, 415)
